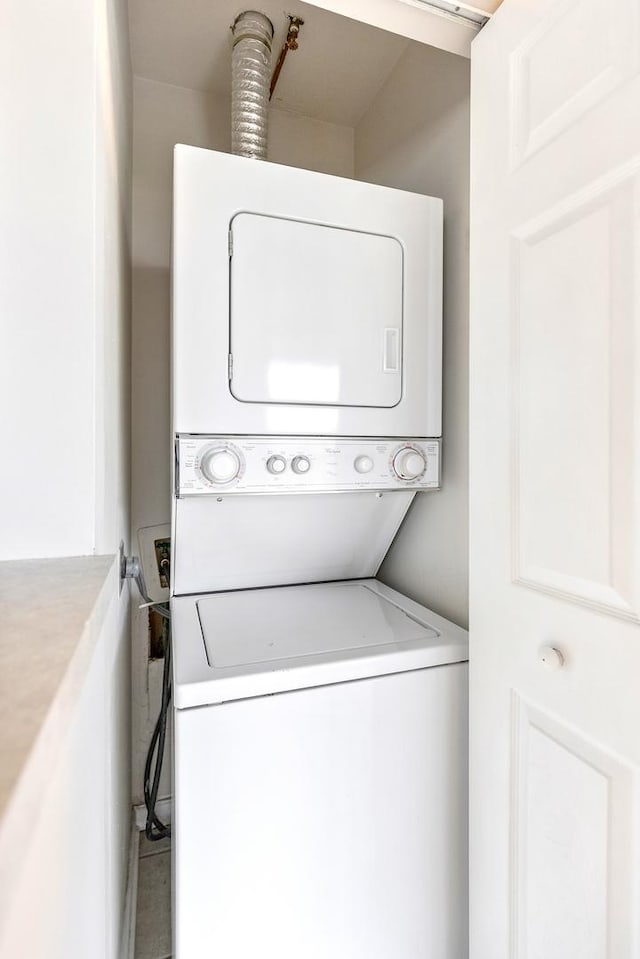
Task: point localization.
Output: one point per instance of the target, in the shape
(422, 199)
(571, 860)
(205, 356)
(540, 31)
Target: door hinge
(230, 244)
(230, 366)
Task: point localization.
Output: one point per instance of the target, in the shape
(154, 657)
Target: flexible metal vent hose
(250, 79)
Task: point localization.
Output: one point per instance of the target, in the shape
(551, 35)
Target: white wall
(65, 82)
(163, 116)
(310, 144)
(63, 279)
(415, 136)
(47, 275)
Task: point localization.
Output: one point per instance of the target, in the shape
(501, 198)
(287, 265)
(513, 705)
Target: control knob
(220, 465)
(409, 463)
(276, 464)
(300, 464)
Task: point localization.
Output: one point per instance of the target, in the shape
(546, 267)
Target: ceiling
(334, 76)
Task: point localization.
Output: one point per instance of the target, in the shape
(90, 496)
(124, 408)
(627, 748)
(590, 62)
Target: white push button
(363, 464)
(276, 464)
(300, 464)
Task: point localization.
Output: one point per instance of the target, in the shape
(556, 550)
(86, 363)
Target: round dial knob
(276, 464)
(409, 463)
(363, 464)
(220, 465)
(300, 464)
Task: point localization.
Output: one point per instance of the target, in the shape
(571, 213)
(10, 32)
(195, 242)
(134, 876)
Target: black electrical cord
(155, 829)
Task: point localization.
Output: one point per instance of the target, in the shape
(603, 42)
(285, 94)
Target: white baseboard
(127, 948)
(163, 812)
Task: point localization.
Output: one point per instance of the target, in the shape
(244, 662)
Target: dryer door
(316, 314)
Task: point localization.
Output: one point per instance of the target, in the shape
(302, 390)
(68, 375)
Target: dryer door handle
(391, 351)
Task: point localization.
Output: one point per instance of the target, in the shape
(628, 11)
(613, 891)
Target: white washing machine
(320, 731)
(303, 303)
(321, 776)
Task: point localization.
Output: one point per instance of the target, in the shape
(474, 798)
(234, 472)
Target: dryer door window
(316, 314)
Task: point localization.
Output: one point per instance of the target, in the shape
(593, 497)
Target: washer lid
(257, 642)
(271, 625)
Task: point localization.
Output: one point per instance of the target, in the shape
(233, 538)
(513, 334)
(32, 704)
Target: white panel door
(555, 484)
(316, 314)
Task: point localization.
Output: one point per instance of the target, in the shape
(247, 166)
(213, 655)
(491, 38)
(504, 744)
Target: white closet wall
(415, 136)
(64, 278)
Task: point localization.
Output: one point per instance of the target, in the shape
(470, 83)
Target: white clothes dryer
(320, 775)
(303, 303)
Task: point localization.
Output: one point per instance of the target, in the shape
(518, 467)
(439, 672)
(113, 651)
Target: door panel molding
(538, 71)
(573, 866)
(585, 234)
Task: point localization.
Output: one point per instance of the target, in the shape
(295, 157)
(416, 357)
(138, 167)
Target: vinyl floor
(153, 913)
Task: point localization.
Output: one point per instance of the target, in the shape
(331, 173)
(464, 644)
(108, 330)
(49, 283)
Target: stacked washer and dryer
(320, 721)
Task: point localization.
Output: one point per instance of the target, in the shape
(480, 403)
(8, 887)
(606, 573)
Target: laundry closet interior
(290, 395)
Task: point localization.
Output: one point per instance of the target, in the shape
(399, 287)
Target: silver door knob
(551, 658)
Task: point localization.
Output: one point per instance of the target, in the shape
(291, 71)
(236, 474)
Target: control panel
(272, 464)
